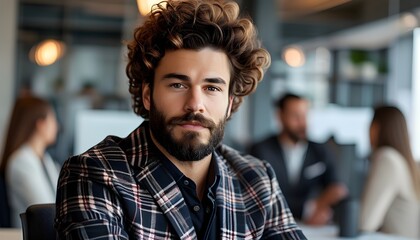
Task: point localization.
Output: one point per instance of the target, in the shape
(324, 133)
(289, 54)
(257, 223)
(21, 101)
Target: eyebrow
(186, 78)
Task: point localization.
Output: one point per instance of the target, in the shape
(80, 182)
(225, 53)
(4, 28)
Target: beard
(188, 147)
(296, 136)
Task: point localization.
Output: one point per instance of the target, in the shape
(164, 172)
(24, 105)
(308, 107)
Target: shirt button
(196, 208)
(208, 210)
(186, 182)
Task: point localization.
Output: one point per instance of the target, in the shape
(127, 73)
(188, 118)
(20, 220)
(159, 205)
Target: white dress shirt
(294, 157)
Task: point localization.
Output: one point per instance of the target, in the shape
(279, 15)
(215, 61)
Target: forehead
(205, 62)
(296, 105)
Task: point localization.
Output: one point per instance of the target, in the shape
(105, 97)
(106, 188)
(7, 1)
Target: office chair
(4, 204)
(38, 222)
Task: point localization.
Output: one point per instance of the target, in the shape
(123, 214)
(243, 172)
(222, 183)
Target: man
(303, 168)
(190, 65)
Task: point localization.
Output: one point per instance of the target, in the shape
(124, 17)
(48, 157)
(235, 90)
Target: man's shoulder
(318, 147)
(103, 156)
(107, 147)
(315, 143)
(267, 140)
(262, 147)
(241, 163)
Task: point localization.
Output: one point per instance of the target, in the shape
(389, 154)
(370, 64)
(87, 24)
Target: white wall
(8, 25)
(348, 125)
(90, 125)
(415, 120)
(403, 88)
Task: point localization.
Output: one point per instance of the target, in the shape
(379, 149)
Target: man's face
(293, 119)
(190, 102)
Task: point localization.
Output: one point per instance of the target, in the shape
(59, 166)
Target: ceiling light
(47, 52)
(294, 56)
(409, 21)
(145, 6)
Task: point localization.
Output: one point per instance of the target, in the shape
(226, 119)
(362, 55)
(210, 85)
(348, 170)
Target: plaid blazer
(119, 190)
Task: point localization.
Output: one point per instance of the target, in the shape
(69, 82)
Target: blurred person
(91, 96)
(31, 174)
(304, 169)
(391, 198)
(25, 89)
(190, 65)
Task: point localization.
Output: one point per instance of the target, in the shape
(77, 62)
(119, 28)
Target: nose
(194, 101)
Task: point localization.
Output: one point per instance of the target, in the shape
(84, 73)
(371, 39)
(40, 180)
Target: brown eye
(213, 89)
(176, 85)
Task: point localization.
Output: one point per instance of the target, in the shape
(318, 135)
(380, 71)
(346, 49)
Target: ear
(40, 124)
(229, 110)
(146, 95)
(279, 116)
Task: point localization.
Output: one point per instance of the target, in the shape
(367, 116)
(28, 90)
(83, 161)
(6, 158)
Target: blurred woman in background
(391, 196)
(31, 175)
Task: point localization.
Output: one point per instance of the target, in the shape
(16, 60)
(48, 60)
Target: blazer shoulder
(262, 143)
(243, 164)
(110, 143)
(265, 146)
(234, 156)
(319, 148)
(316, 145)
(104, 158)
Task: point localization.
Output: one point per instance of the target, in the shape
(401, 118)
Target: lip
(192, 125)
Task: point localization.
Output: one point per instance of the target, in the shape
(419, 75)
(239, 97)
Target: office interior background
(345, 56)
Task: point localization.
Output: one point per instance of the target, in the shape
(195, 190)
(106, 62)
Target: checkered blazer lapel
(231, 214)
(165, 191)
(230, 205)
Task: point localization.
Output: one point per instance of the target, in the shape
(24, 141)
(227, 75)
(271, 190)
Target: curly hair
(195, 24)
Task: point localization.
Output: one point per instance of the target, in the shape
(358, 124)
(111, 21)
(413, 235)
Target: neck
(285, 139)
(195, 170)
(37, 146)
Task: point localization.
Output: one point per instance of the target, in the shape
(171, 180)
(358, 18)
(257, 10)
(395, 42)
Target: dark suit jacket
(317, 171)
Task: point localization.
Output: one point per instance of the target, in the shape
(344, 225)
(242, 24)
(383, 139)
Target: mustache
(207, 123)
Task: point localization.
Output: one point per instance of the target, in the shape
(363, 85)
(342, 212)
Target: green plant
(357, 57)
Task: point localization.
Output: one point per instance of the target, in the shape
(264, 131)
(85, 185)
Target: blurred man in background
(304, 169)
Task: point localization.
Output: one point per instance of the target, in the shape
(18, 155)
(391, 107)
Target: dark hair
(282, 101)
(195, 24)
(22, 125)
(393, 132)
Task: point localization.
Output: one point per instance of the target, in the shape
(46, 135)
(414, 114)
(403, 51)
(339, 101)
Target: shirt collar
(177, 175)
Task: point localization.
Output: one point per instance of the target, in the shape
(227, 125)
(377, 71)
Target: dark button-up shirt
(202, 212)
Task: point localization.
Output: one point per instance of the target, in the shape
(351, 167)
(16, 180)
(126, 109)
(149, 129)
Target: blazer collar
(230, 204)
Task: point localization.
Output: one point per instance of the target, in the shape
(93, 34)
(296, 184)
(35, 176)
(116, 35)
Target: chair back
(38, 222)
(4, 204)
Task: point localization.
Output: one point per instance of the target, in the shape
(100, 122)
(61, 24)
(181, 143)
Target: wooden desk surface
(11, 234)
(330, 232)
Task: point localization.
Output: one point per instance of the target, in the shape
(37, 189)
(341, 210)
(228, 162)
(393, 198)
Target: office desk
(313, 233)
(330, 232)
(11, 234)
